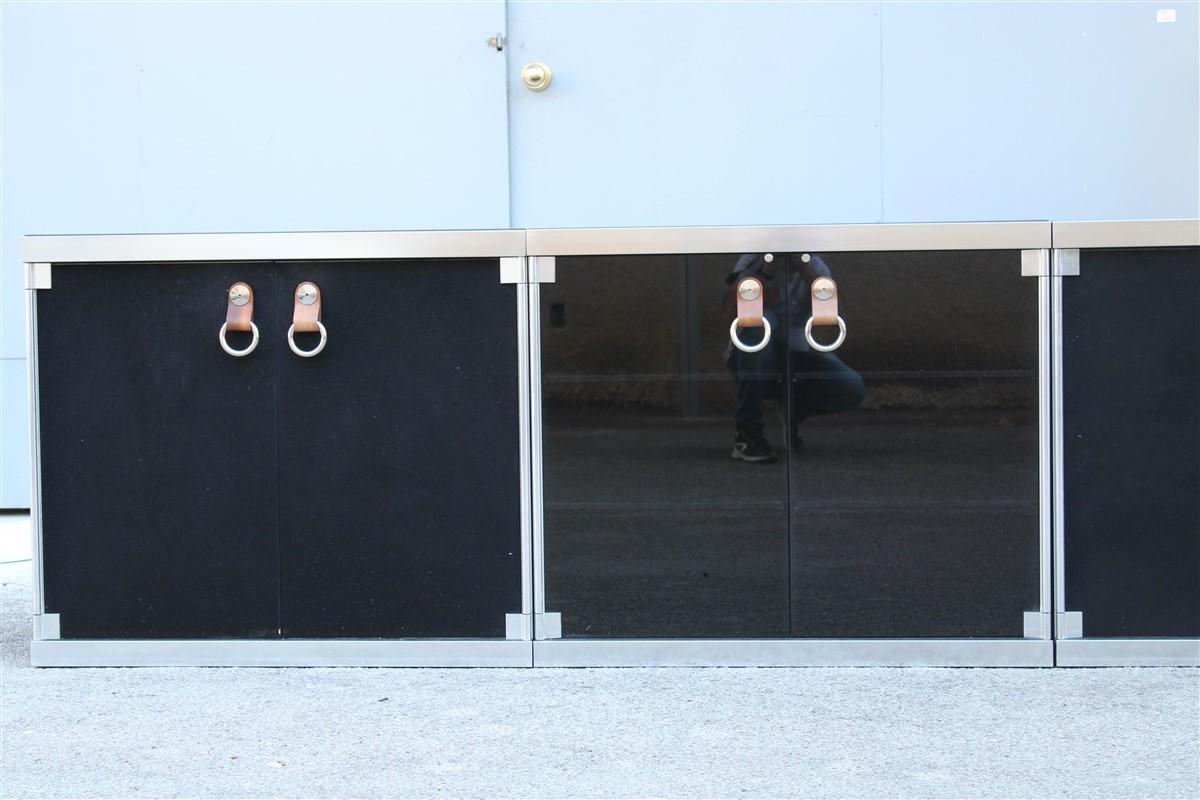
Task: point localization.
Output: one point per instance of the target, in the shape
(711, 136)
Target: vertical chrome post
(35, 454)
(1045, 454)
(535, 376)
(523, 388)
(1059, 527)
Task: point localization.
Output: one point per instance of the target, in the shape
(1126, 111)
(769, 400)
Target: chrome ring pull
(306, 353)
(745, 348)
(245, 351)
(825, 348)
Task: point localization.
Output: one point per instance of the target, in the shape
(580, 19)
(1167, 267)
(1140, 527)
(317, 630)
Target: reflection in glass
(907, 501)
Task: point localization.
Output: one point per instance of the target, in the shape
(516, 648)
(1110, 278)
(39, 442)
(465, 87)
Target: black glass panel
(1131, 430)
(914, 452)
(158, 453)
(398, 452)
(652, 528)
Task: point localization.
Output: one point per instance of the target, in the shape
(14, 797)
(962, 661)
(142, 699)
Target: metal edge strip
(524, 457)
(35, 453)
(536, 460)
(1045, 456)
(1057, 454)
(281, 653)
(1128, 653)
(794, 653)
(273, 246)
(825, 238)
(1127, 233)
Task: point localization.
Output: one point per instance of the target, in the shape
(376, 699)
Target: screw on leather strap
(239, 312)
(306, 312)
(824, 302)
(749, 303)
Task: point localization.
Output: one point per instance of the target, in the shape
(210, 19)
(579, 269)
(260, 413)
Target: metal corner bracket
(1035, 263)
(37, 275)
(513, 269)
(1066, 263)
(541, 269)
(549, 625)
(1069, 625)
(1037, 625)
(518, 626)
(46, 626)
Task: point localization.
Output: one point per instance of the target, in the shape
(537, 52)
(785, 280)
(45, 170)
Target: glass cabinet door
(913, 458)
(886, 489)
(652, 529)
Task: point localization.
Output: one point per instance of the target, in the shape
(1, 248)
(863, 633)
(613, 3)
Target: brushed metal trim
(793, 653)
(1127, 233)
(342, 245)
(1128, 653)
(38, 275)
(823, 238)
(282, 653)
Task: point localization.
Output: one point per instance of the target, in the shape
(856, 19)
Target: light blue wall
(242, 116)
(679, 114)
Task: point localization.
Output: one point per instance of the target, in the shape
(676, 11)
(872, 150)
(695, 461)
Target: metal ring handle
(826, 348)
(306, 353)
(239, 353)
(733, 337)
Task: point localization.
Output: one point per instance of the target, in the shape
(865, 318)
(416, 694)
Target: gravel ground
(330, 733)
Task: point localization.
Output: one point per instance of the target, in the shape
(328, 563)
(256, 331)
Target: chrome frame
(339, 245)
(1022, 236)
(1045, 452)
(794, 653)
(536, 464)
(1126, 233)
(35, 454)
(41, 253)
(46, 250)
(1128, 653)
(824, 238)
(282, 653)
(526, 446)
(1073, 647)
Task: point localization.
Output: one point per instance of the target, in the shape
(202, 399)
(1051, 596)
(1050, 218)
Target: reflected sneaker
(752, 446)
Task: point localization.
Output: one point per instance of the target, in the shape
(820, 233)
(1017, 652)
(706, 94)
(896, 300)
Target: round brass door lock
(536, 77)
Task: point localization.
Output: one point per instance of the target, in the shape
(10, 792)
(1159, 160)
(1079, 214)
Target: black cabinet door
(1131, 433)
(398, 450)
(913, 463)
(157, 454)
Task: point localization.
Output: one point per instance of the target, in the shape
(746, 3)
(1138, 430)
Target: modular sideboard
(966, 444)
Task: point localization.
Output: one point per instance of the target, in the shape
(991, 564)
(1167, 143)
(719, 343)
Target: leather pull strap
(306, 312)
(824, 302)
(749, 303)
(239, 311)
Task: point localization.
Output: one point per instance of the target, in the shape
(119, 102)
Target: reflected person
(821, 382)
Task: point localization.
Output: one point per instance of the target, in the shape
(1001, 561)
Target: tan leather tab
(824, 302)
(239, 310)
(306, 312)
(749, 302)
